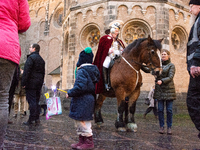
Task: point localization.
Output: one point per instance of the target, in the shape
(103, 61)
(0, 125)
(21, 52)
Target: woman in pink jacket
(14, 19)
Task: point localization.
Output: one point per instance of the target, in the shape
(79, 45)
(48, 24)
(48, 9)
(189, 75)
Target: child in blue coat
(83, 100)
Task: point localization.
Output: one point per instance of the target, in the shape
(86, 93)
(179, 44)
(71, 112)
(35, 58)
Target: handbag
(54, 106)
(147, 101)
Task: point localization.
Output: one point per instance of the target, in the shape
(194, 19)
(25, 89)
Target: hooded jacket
(82, 102)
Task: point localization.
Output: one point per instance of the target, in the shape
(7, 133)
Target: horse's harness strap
(133, 69)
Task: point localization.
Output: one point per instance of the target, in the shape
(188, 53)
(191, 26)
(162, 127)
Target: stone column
(162, 25)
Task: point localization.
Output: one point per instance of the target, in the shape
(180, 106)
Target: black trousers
(33, 97)
(193, 100)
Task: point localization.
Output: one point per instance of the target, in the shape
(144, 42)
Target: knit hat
(86, 56)
(194, 2)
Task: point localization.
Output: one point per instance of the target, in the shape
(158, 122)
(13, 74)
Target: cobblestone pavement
(58, 133)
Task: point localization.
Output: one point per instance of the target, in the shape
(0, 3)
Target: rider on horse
(110, 47)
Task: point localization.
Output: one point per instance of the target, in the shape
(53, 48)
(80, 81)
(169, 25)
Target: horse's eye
(152, 51)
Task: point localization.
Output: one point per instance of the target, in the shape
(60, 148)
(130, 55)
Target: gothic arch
(32, 13)
(41, 9)
(89, 36)
(54, 10)
(134, 29)
(58, 17)
(179, 38)
(43, 48)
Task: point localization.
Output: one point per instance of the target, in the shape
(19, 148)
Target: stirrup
(107, 88)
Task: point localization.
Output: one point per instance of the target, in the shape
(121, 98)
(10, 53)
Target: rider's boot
(106, 76)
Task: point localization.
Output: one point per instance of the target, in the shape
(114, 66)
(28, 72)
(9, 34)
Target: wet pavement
(58, 133)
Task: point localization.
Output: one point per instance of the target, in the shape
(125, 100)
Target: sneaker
(169, 131)
(161, 130)
(144, 116)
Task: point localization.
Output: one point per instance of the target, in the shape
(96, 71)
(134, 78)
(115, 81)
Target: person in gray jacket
(165, 91)
(193, 66)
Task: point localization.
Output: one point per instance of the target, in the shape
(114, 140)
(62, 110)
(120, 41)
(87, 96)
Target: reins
(133, 69)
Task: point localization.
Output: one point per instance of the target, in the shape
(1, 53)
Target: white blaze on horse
(126, 80)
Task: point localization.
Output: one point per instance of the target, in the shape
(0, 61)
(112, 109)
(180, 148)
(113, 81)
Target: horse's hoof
(132, 127)
(121, 129)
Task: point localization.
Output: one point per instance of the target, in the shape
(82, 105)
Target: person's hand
(111, 51)
(67, 95)
(194, 71)
(23, 87)
(159, 82)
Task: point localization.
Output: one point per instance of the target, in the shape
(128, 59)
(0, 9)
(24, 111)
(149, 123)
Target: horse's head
(150, 55)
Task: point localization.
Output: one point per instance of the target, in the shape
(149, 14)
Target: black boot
(106, 80)
(44, 114)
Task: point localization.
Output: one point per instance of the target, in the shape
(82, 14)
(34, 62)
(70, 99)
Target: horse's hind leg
(97, 114)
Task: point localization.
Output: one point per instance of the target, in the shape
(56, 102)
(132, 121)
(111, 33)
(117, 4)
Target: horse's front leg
(97, 113)
(131, 125)
(119, 123)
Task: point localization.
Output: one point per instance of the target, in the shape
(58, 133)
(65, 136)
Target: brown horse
(126, 80)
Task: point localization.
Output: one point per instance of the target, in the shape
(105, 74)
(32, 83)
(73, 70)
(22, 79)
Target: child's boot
(81, 139)
(87, 144)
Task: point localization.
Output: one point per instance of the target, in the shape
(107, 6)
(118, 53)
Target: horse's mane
(158, 44)
(136, 43)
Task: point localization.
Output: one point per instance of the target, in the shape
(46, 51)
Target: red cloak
(103, 48)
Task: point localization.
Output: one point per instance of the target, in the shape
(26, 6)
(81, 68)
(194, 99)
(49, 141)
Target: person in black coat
(32, 81)
(83, 100)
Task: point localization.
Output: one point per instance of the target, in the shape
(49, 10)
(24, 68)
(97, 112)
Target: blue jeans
(7, 69)
(169, 104)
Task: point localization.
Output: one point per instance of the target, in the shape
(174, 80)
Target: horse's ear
(150, 41)
(160, 40)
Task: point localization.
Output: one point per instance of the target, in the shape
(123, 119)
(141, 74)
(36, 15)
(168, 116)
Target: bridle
(150, 60)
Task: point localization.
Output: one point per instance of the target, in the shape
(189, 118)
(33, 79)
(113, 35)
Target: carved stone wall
(64, 28)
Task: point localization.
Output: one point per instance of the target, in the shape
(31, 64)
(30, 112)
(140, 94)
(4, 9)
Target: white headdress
(115, 25)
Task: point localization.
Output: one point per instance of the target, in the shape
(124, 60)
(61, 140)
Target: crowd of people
(26, 83)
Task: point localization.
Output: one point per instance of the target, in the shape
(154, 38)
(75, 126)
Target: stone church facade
(63, 28)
